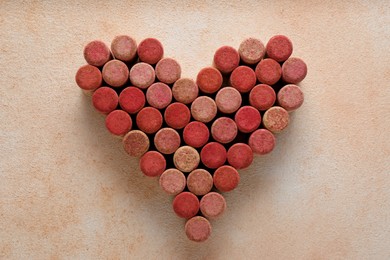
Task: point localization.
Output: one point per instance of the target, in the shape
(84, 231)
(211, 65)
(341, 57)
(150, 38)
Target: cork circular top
(240, 156)
(97, 53)
(276, 119)
(185, 205)
(199, 182)
(185, 90)
(290, 97)
(209, 80)
(224, 130)
(196, 134)
(279, 48)
(262, 141)
(294, 70)
(167, 140)
(212, 205)
(186, 159)
(248, 119)
(136, 143)
(243, 78)
(177, 115)
(152, 164)
(89, 77)
(168, 70)
(262, 97)
(198, 229)
(115, 73)
(172, 181)
(226, 59)
(159, 95)
(142, 75)
(105, 100)
(150, 50)
(251, 50)
(203, 109)
(213, 155)
(268, 71)
(228, 100)
(132, 100)
(124, 48)
(226, 178)
(149, 120)
(118, 122)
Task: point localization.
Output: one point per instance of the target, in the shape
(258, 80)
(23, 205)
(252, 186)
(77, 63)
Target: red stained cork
(115, 73)
(196, 134)
(226, 178)
(226, 59)
(228, 100)
(172, 181)
(118, 122)
(97, 53)
(262, 97)
(88, 77)
(248, 119)
(243, 79)
(198, 229)
(262, 141)
(199, 182)
(142, 75)
(240, 156)
(185, 90)
(150, 51)
(105, 100)
(177, 115)
(251, 50)
(290, 97)
(167, 140)
(268, 71)
(203, 109)
(213, 155)
(212, 205)
(136, 143)
(186, 159)
(168, 70)
(152, 164)
(294, 70)
(275, 119)
(159, 95)
(224, 130)
(149, 120)
(132, 100)
(186, 205)
(124, 48)
(279, 48)
(209, 80)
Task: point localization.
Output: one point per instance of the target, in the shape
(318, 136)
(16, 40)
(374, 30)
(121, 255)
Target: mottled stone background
(69, 191)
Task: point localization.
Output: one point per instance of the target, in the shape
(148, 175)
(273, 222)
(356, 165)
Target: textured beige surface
(68, 191)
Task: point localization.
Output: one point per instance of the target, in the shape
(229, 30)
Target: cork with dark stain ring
(150, 50)
(168, 70)
(213, 155)
(209, 80)
(268, 71)
(132, 100)
(105, 100)
(185, 90)
(212, 205)
(228, 100)
(115, 73)
(177, 115)
(294, 70)
(88, 78)
(136, 143)
(196, 134)
(240, 156)
(118, 122)
(226, 59)
(276, 119)
(185, 205)
(262, 141)
(149, 120)
(198, 229)
(224, 130)
(243, 78)
(186, 159)
(97, 53)
(167, 140)
(159, 95)
(124, 48)
(251, 51)
(262, 97)
(226, 178)
(172, 181)
(199, 182)
(152, 164)
(279, 48)
(203, 109)
(248, 119)
(290, 97)
(142, 75)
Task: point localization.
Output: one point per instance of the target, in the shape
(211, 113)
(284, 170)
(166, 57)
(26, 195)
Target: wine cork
(124, 48)
(115, 73)
(243, 79)
(268, 71)
(224, 130)
(248, 119)
(213, 155)
(186, 159)
(177, 115)
(105, 100)
(212, 205)
(152, 164)
(198, 229)
(88, 78)
(226, 178)
(185, 205)
(226, 59)
(199, 182)
(149, 120)
(159, 95)
(209, 80)
(172, 181)
(251, 51)
(136, 143)
(203, 109)
(167, 140)
(185, 90)
(279, 48)
(168, 70)
(262, 141)
(132, 100)
(290, 97)
(262, 97)
(240, 155)
(228, 100)
(276, 119)
(196, 134)
(118, 122)
(142, 75)
(294, 70)
(150, 50)
(97, 53)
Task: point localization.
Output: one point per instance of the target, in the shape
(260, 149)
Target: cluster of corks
(194, 135)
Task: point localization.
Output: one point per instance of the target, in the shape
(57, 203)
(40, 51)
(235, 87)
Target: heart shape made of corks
(194, 134)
